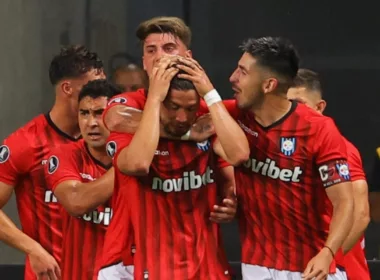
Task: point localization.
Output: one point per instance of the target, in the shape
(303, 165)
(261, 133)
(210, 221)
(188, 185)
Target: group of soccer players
(133, 185)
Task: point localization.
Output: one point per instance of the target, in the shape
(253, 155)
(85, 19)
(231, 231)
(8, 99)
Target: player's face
(179, 111)
(157, 45)
(131, 80)
(91, 123)
(75, 85)
(247, 83)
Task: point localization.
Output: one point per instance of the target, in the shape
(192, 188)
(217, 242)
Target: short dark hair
(308, 79)
(180, 83)
(99, 88)
(73, 62)
(172, 25)
(276, 54)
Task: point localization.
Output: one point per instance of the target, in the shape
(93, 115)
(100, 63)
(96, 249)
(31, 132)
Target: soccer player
(75, 174)
(131, 77)
(307, 89)
(159, 36)
(171, 187)
(297, 169)
(23, 155)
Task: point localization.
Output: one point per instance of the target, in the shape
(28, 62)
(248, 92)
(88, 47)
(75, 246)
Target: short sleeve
(331, 155)
(230, 105)
(355, 163)
(117, 142)
(16, 158)
(62, 166)
(117, 104)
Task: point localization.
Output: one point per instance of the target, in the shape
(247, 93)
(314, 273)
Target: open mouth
(94, 135)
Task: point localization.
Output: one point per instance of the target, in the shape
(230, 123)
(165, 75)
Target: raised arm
(135, 159)
(231, 137)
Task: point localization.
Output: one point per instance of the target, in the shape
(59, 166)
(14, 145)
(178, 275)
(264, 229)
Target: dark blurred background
(338, 39)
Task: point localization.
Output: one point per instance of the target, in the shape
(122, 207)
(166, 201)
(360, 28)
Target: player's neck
(65, 120)
(272, 109)
(100, 155)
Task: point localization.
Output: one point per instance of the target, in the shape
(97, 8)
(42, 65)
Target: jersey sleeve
(374, 185)
(230, 105)
(355, 163)
(16, 158)
(117, 105)
(117, 142)
(331, 155)
(61, 166)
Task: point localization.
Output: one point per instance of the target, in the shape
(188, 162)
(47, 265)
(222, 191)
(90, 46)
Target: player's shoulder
(29, 131)
(352, 151)
(134, 99)
(311, 116)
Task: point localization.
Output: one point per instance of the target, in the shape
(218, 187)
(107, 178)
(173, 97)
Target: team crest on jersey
(120, 100)
(343, 170)
(111, 148)
(53, 164)
(204, 146)
(288, 145)
(4, 153)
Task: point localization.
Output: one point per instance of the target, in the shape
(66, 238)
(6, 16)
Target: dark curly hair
(73, 62)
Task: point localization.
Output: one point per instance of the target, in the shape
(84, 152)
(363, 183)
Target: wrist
(329, 251)
(212, 97)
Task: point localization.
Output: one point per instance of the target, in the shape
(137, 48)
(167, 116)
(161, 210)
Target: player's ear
(321, 106)
(66, 87)
(270, 85)
(189, 54)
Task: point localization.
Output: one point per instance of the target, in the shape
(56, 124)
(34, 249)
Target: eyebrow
(242, 68)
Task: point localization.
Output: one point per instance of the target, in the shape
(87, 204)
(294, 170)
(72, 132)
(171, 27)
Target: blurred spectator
(131, 77)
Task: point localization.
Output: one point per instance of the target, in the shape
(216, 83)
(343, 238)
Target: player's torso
(171, 217)
(83, 236)
(281, 199)
(38, 208)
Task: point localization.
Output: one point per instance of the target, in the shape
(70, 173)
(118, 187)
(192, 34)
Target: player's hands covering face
(162, 74)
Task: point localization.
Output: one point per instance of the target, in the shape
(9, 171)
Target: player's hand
(226, 212)
(162, 74)
(196, 74)
(319, 266)
(44, 265)
(202, 129)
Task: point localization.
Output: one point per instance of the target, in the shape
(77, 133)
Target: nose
(93, 121)
(233, 77)
(181, 116)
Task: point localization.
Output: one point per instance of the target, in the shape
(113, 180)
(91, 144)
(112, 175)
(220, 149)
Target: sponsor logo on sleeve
(204, 146)
(111, 148)
(53, 164)
(119, 100)
(4, 153)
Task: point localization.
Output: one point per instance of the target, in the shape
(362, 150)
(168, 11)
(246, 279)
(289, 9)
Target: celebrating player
(75, 174)
(297, 169)
(174, 190)
(307, 90)
(159, 36)
(23, 155)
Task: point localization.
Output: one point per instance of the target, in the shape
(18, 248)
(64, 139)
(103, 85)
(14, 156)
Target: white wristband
(186, 136)
(212, 97)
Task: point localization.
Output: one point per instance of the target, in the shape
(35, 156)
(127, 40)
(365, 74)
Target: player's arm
(136, 158)
(225, 180)
(361, 214)
(360, 194)
(79, 198)
(374, 189)
(331, 160)
(14, 164)
(231, 137)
